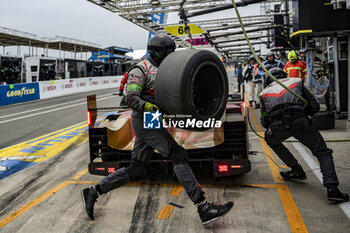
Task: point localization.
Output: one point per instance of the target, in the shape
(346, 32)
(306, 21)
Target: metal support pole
(59, 49)
(47, 50)
(36, 52)
(81, 52)
(75, 51)
(287, 11)
(348, 76)
(29, 47)
(336, 74)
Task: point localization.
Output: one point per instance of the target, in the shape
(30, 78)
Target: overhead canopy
(217, 32)
(11, 37)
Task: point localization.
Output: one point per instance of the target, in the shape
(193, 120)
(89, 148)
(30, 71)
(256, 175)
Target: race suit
(140, 89)
(274, 63)
(284, 116)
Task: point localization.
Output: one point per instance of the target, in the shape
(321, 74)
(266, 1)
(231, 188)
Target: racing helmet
(159, 47)
(277, 73)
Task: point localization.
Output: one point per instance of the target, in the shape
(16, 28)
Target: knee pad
(136, 170)
(178, 155)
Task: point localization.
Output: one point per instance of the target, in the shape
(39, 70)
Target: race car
(220, 151)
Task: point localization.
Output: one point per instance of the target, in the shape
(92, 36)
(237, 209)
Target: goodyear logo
(19, 93)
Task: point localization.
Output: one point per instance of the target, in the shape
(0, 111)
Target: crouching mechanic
(140, 98)
(283, 115)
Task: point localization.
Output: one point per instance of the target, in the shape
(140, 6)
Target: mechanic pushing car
(283, 115)
(140, 97)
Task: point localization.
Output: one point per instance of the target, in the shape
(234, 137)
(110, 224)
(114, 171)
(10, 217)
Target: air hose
(258, 60)
(273, 78)
(257, 134)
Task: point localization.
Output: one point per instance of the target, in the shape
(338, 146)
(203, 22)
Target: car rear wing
(92, 110)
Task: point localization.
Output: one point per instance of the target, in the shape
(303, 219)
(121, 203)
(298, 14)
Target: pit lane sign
(198, 41)
(179, 30)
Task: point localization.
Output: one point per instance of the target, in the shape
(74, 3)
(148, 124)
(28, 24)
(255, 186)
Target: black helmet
(277, 73)
(270, 54)
(159, 47)
(251, 57)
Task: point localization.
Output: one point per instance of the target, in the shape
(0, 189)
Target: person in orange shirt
(122, 83)
(295, 68)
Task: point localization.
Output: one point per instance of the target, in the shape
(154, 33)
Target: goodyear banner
(16, 93)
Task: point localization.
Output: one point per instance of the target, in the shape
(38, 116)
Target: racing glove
(149, 107)
(120, 92)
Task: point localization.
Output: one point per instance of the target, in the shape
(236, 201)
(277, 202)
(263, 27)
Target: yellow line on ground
(273, 168)
(80, 174)
(295, 220)
(82, 182)
(31, 204)
(165, 212)
(176, 190)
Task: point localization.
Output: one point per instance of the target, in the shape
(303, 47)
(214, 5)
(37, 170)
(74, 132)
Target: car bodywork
(225, 149)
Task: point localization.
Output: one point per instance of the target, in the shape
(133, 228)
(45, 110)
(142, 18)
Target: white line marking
(311, 162)
(52, 110)
(51, 106)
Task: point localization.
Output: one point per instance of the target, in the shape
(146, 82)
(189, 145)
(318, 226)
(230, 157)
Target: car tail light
(100, 168)
(89, 117)
(244, 109)
(229, 167)
(222, 168)
(111, 169)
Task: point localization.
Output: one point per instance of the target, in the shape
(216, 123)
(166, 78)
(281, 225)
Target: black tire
(192, 82)
(324, 120)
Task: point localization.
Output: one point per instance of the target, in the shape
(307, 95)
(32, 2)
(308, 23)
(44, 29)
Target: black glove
(120, 92)
(265, 122)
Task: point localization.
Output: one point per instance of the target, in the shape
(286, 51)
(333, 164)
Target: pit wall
(17, 93)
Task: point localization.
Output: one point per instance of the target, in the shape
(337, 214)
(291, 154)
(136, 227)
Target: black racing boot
(297, 173)
(89, 196)
(257, 105)
(334, 194)
(209, 212)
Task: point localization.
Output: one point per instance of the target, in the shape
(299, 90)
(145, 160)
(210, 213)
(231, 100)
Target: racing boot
(257, 105)
(297, 173)
(89, 196)
(334, 194)
(210, 212)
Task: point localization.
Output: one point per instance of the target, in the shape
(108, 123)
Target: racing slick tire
(324, 120)
(193, 83)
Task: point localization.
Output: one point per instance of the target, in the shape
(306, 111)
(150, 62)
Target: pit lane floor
(46, 197)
